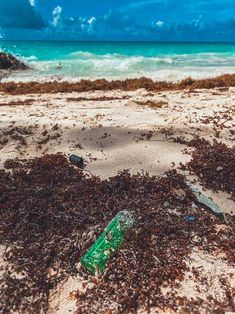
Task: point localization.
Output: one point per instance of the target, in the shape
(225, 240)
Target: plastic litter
(207, 201)
(76, 161)
(204, 199)
(190, 218)
(96, 258)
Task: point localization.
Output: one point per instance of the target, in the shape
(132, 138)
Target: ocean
(119, 60)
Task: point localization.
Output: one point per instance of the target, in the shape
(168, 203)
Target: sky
(160, 20)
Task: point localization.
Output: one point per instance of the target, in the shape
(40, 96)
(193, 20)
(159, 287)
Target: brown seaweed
(51, 212)
(20, 88)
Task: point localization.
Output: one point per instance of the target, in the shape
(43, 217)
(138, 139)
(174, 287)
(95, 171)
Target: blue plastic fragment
(204, 199)
(190, 218)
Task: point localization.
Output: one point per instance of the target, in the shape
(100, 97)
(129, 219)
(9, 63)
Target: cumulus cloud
(70, 27)
(57, 16)
(91, 20)
(32, 2)
(160, 24)
(118, 26)
(190, 21)
(20, 13)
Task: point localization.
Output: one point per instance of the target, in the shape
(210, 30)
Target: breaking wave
(84, 64)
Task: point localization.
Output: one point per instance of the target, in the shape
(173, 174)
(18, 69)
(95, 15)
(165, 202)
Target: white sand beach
(124, 133)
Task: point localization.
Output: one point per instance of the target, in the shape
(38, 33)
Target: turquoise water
(112, 60)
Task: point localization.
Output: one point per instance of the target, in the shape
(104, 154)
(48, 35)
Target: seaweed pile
(27, 102)
(101, 98)
(22, 88)
(214, 164)
(51, 212)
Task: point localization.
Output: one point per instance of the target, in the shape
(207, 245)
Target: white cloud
(160, 24)
(57, 16)
(91, 20)
(32, 2)
(91, 23)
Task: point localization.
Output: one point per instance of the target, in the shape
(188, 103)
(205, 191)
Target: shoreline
(19, 88)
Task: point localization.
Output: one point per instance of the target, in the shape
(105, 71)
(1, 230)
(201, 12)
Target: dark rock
(76, 161)
(9, 62)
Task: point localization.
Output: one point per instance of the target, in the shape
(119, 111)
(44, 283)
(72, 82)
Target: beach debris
(51, 214)
(96, 258)
(190, 218)
(76, 161)
(204, 199)
(9, 62)
(208, 202)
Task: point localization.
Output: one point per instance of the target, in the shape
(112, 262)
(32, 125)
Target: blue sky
(179, 20)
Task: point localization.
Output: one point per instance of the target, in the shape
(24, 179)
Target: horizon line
(121, 41)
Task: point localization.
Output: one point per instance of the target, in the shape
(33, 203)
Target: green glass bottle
(96, 258)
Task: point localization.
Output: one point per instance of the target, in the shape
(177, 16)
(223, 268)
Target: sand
(133, 132)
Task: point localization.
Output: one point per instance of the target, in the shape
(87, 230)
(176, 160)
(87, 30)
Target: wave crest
(85, 64)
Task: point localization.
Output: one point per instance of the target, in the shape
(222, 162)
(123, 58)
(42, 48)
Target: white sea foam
(82, 64)
(30, 58)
